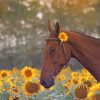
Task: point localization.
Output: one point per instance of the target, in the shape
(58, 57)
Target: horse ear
(49, 26)
(57, 27)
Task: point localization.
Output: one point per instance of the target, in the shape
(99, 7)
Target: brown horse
(81, 47)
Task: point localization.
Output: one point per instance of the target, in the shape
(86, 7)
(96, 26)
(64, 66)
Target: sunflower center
(81, 92)
(75, 81)
(31, 87)
(28, 73)
(62, 36)
(62, 77)
(4, 74)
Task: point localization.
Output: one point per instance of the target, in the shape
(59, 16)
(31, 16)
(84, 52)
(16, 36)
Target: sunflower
(82, 79)
(84, 70)
(74, 74)
(51, 88)
(13, 98)
(74, 81)
(42, 88)
(27, 73)
(36, 73)
(15, 89)
(88, 83)
(67, 69)
(87, 74)
(15, 70)
(67, 85)
(1, 86)
(63, 36)
(62, 77)
(31, 88)
(94, 92)
(4, 74)
(81, 91)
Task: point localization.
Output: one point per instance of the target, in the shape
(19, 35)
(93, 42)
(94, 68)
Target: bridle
(61, 44)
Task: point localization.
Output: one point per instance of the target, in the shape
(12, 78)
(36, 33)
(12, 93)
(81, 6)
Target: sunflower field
(25, 84)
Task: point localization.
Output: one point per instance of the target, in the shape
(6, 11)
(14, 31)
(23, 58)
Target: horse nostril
(47, 83)
(44, 83)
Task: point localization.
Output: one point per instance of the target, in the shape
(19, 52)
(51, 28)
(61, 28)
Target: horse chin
(47, 83)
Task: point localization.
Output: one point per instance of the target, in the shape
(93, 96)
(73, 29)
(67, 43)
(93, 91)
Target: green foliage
(4, 95)
(23, 26)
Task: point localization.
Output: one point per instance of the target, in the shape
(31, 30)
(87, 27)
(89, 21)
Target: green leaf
(4, 96)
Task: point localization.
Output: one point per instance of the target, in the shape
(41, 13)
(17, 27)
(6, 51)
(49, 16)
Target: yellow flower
(27, 73)
(93, 90)
(74, 81)
(62, 77)
(31, 88)
(67, 69)
(1, 86)
(82, 79)
(4, 74)
(42, 88)
(81, 91)
(74, 74)
(36, 73)
(51, 88)
(13, 98)
(63, 36)
(67, 85)
(14, 70)
(14, 89)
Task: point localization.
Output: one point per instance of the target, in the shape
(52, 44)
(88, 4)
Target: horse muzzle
(48, 82)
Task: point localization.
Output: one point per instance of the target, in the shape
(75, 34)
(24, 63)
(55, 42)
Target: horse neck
(86, 50)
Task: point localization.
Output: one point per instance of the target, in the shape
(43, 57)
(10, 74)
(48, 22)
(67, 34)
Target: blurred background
(23, 27)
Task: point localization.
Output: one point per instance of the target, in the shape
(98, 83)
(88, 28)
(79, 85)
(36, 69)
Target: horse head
(56, 55)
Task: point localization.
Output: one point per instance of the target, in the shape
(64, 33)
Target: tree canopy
(23, 27)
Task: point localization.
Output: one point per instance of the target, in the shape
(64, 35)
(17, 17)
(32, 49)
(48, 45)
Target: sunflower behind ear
(63, 37)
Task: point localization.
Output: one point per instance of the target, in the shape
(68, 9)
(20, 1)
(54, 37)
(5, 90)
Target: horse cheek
(62, 59)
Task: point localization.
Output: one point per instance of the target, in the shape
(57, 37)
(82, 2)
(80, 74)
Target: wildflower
(4, 74)
(51, 88)
(63, 36)
(31, 88)
(42, 88)
(15, 70)
(1, 86)
(35, 72)
(67, 69)
(27, 73)
(88, 83)
(67, 85)
(74, 81)
(81, 91)
(13, 98)
(74, 74)
(94, 92)
(62, 77)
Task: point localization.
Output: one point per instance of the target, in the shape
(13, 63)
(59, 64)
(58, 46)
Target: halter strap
(53, 39)
(64, 52)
